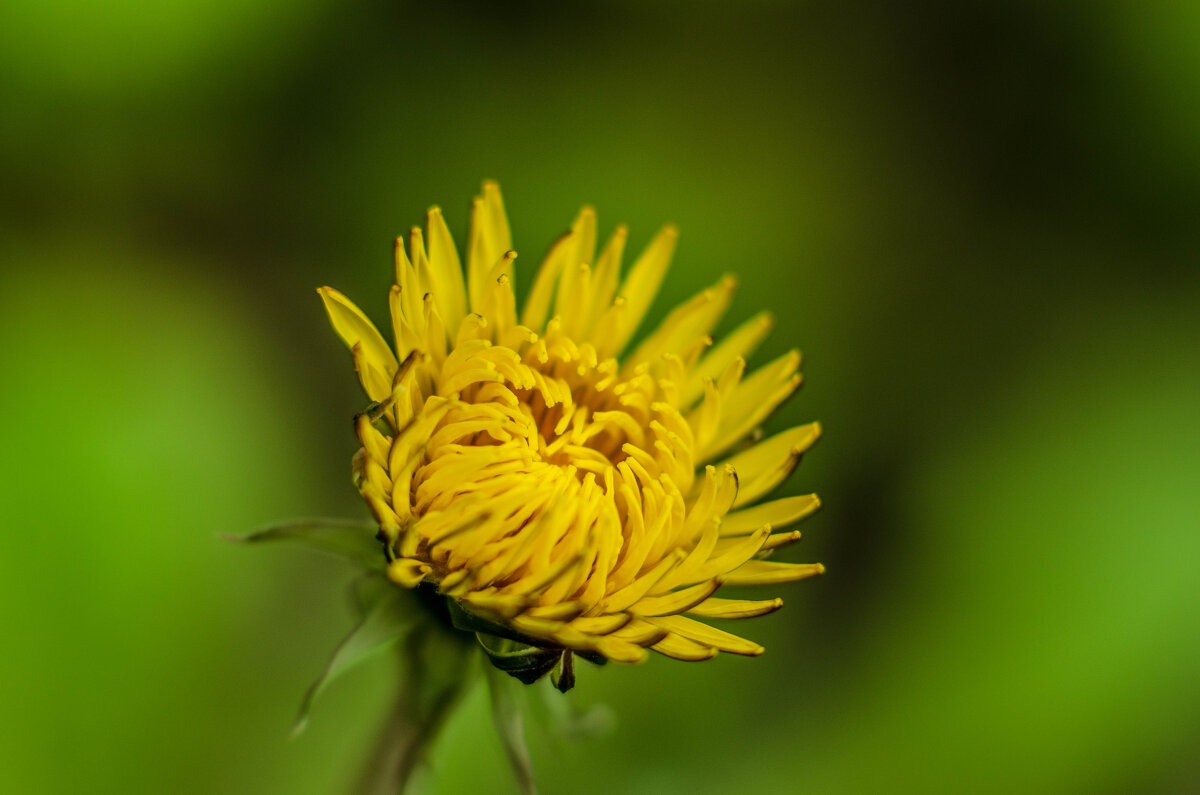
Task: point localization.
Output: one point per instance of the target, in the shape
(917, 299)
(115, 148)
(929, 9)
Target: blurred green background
(978, 220)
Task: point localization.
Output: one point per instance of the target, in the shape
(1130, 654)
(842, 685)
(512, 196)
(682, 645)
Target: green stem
(433, 674)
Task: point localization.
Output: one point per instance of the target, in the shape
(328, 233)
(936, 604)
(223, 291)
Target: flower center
(554, 397)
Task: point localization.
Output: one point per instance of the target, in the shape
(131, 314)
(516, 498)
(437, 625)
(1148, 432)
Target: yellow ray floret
(551, 486)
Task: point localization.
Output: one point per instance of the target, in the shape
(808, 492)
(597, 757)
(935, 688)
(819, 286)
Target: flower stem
(434, 671)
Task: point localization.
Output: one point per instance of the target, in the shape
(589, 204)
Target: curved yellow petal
(490, 239)
(686, 649)
(355, 329)
(688, 322)
(739, 343)
(677, 601)
(777, 513)
(445, 270)
(641, 285)
(766, 464)
(766, 572)
(715, 607)
(604, 278)
(751, 401)
(708, 636)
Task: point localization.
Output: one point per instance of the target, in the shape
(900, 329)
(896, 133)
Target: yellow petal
(738, 551)
(537, 304)
(716, 607)
(640, 632)
(374, 383)
(499, 303)
(677, 601)
(604, 278)
(688, 322)
(704, 634)
(620, 651)
(754, 398)
(767, 463)
(641, 285)
(777, 513)
(572, 304)
(355, 329)
(602, 625)
(630, 594)
(765, 572)
(490, 238)
(574, 293)
(741, 342)
(685, 649)
(563, 611)
(497, 218)
(406, 572)
(503, 605)
(445, 270)
(777, 540)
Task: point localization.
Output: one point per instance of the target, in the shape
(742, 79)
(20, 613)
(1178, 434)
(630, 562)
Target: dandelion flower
(557, 486)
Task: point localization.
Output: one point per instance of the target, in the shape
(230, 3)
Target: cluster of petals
(582, 495)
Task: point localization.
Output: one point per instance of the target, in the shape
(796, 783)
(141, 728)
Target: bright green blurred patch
(1039, 635)
(140, 427)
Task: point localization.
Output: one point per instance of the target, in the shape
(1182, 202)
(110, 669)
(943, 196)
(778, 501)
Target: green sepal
(521, 661)
(469, 622)
(520, 656)
(563, 675)
(353, 540)
(529, 659)
(389, 619)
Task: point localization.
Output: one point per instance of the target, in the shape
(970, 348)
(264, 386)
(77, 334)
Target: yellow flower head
(569, 493)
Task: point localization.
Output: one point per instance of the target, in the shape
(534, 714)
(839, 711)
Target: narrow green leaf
(506, 714)
(354, 540)
(388, 620)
